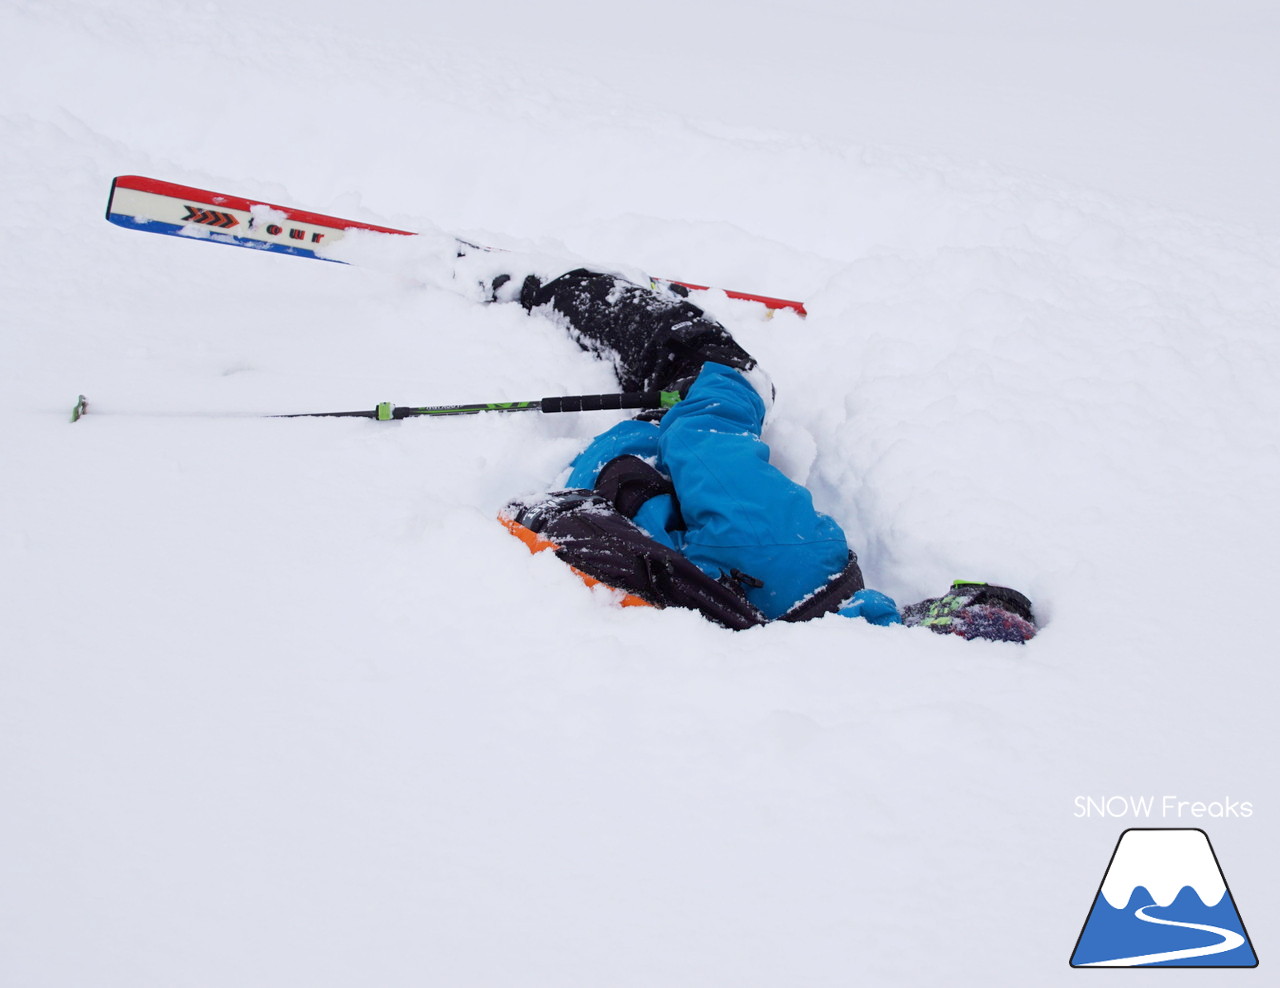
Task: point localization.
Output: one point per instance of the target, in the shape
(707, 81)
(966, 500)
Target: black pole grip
(596, 403)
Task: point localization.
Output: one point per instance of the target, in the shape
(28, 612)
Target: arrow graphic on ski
(210, 217)
(155, 206)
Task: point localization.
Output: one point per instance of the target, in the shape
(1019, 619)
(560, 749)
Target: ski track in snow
(280, 701)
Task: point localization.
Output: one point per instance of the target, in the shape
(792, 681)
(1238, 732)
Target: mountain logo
(1163, 902)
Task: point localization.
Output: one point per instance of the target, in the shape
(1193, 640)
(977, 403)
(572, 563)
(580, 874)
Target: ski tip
(81, 409)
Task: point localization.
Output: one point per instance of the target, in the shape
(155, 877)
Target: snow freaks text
(1160, 807)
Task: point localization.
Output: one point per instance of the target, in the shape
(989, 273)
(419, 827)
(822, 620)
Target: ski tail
(768, 301)
(155, 206)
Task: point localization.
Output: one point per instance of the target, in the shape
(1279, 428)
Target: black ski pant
(655, 340)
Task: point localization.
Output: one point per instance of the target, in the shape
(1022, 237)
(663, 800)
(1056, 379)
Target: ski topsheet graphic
(153, 206)
(1164, 903)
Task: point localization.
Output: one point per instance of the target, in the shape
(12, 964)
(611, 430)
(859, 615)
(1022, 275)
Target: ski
(155, 206)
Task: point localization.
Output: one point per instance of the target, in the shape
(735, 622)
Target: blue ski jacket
(736, 511)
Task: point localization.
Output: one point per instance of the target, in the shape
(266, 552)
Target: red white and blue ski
(154, 206)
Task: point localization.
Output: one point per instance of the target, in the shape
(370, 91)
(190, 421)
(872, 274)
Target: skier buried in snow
(681, 507)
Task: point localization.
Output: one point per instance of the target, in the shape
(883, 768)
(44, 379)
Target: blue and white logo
(1164, 903)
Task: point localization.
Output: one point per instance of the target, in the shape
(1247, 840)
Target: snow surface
(282, 704)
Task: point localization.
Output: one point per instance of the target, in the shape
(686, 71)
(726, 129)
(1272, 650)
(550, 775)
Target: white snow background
(282, 704)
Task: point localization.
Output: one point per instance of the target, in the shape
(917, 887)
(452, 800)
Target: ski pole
(386, 411)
